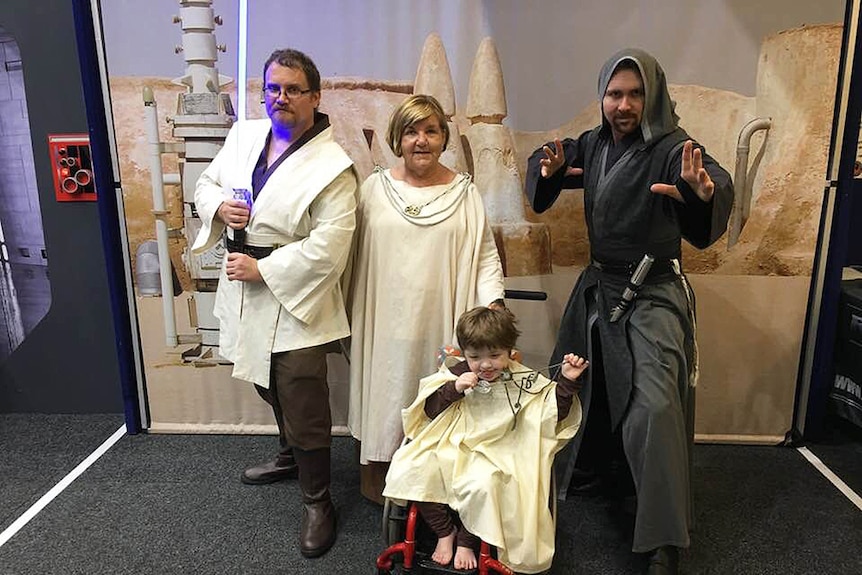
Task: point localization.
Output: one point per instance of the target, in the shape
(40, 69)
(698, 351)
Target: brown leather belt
(257, 252)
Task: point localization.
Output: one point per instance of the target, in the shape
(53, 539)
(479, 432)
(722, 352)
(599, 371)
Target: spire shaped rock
(487, 99)
(433, 76)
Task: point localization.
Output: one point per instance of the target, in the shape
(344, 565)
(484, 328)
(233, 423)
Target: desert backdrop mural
(751, 286)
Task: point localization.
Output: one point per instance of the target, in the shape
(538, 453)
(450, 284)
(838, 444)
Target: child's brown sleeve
(566, 390)
(438, 401)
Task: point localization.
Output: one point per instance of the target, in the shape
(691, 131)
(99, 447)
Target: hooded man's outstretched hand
(693, 173)
(555, 160)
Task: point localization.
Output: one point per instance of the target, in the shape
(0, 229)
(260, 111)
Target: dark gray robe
(649, 354)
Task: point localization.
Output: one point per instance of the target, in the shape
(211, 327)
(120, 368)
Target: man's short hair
(412, 110)
(290, 58)
(628, 64)
(486, 328)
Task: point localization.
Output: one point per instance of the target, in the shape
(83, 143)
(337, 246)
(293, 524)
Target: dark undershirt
(617, 149)
(262, 172)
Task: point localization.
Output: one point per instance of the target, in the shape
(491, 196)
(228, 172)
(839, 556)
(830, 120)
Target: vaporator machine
(203, 118)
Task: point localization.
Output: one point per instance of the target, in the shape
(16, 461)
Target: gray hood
(659, 117)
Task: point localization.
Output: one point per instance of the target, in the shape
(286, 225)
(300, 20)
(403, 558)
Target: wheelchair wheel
(393, 524)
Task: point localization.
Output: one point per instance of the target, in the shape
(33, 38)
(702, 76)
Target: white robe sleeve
(302, 272)
(489, 279)
(211, 191)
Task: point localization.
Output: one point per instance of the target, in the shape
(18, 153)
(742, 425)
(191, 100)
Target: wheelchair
(413, 547)
(410, 541)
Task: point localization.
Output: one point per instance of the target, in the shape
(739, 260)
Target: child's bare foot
(465, 558)
(443, 552)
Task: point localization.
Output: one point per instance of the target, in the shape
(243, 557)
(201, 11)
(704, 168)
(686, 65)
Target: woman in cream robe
(414, 274)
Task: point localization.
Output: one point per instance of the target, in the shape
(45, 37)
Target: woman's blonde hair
(412, 110)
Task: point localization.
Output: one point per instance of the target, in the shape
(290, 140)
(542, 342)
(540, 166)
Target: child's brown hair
(486, 328)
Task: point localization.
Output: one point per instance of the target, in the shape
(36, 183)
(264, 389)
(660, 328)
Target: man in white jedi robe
(279, 299)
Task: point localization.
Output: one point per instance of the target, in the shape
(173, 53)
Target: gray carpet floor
(173, 504)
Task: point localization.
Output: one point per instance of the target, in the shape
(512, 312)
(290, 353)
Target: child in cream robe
(488, 456)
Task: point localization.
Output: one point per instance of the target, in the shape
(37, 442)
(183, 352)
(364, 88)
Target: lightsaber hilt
(238, 236)
(631, 290)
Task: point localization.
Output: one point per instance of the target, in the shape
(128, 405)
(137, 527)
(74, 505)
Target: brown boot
(317, 531)
(663, 561)
(281, 468)
(372, 480)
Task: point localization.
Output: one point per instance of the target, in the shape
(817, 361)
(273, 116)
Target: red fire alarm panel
(72, 165)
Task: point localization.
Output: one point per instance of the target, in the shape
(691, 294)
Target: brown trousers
(299, 396)
(442, 520)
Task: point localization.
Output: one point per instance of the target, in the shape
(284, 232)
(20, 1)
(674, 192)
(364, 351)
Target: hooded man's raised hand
(693, 173)
(555, 160)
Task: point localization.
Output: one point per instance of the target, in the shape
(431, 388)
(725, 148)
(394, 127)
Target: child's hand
(573, 366)
(466, 381)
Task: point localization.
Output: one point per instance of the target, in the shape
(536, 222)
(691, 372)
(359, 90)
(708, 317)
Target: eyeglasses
(274, 91)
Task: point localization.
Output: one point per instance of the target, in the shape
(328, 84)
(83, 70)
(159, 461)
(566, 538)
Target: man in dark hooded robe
(646, 186)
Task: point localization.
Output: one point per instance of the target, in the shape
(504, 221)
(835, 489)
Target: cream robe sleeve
(489, 279)
(301, 272)
(211, 191)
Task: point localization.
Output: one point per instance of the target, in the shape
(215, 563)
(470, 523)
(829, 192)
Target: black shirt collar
(262, 173)
(617, 149)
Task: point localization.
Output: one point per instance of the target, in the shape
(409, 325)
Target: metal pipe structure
(742, 191)
(172, 180)
(202, 121)
(165, 273)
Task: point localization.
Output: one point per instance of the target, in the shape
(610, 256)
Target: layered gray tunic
(650, 353)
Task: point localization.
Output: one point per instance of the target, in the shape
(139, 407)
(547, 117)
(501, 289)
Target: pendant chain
(412, 209)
